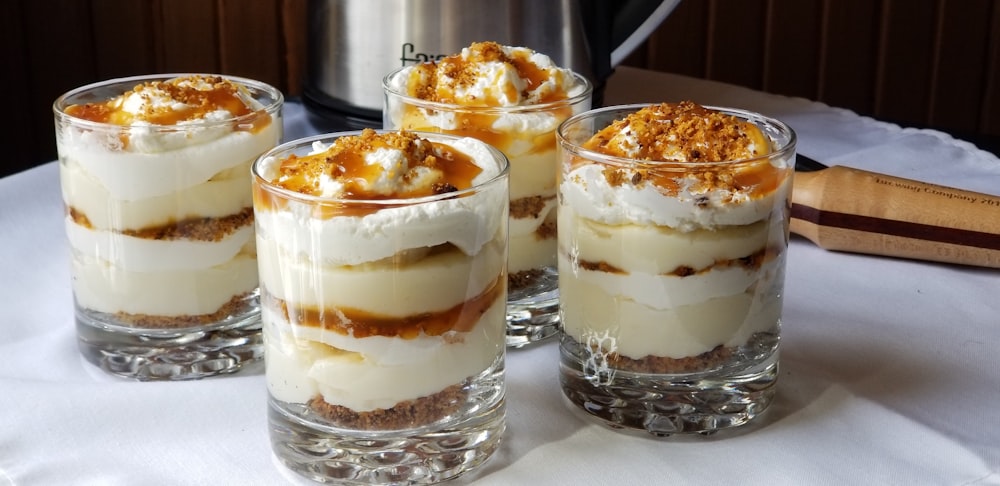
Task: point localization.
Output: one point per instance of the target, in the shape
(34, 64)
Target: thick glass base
(433, 453)
(533, 308)
(189, 353)
(663, 405)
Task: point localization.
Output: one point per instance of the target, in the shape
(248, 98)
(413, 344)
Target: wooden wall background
(933, 63)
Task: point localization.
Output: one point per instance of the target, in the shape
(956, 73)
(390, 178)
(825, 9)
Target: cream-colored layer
(532, 174)
(466, 222)
(588, 191)
(591, 315)
(528, 252)
(132, 176)
(380, 372)
(657, 249)
(102, 287)
(662, 292)
(431, 284)
(144, 255)
(226, 193)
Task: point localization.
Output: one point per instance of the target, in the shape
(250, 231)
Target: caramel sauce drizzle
(344, 161)
(361, 324)
(478, 124)
(197, 100)
(696, 134)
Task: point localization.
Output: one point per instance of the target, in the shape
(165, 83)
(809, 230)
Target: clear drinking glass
(159, 218)
(383, 325)
(671, 295)
(526, 135)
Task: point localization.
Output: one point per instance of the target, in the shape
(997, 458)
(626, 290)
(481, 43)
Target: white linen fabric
(889, 374)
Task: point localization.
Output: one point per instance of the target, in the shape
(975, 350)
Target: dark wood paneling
(906, 47)
(679, 45)
(293, 22)
(250, 40)
(188, 36)
(959, 76)
(18, 137)
(116, 21)
(58, 57)
(848, 54)
(791, 47)
(734, 51)
(990, 113)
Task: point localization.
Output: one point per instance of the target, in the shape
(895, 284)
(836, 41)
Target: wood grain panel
(188, 36)
(121, 38)
(17, 136)
(848, 54)
(734, 52)
(59, 57)
(990, 111)
(294, 39)
(679, 45)
(791, 47)
(903, 83)
(250, 40)
(959, 75)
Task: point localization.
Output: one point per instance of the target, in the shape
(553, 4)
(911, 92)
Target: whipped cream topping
(371, 167)
(681, 132)
(175, 113)
(489, 74)
(382, 166)
(694, 168)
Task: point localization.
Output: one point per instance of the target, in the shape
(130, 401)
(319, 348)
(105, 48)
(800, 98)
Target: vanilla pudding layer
(672, 332)
(224, 194)
(155, 164)
(443, 279)
(528, 251)
(682, 291)
(184, 291)
(380, 372)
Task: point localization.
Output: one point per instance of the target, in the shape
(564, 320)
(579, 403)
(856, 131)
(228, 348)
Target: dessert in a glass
(673, 230)
(382, 264)
(514, 99)
(155, 175)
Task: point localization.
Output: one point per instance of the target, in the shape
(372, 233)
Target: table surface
(889, 368)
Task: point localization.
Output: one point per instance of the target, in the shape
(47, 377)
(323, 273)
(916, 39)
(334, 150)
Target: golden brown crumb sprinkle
(463, 73)
(669, 137)
(199, 96)
(344, 161)
(682, 131)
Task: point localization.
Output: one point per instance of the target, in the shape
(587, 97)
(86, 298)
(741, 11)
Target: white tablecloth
(890, 371)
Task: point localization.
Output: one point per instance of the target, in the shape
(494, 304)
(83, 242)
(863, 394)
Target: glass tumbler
(159, 219)
(383, 325)
(526, 135)
(671, 294)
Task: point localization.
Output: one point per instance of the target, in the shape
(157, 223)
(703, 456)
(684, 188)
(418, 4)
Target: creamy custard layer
(380, 372)
(637, 330)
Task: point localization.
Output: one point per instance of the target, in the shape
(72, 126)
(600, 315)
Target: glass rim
(271, 108)
(288, 147)
(754, 117)
(586, 94)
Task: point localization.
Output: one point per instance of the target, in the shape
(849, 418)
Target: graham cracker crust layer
(404, 415)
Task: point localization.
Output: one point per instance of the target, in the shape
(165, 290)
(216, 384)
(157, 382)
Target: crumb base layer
(230, 345)
(532, 306)
(436, 452)
(728, 396)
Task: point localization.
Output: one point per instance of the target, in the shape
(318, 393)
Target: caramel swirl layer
(361, 324)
